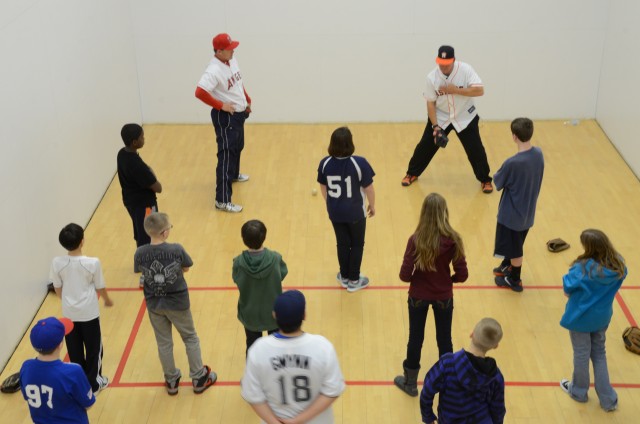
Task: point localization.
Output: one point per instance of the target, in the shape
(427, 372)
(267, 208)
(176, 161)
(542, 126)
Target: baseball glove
(11, 384)
(631, 338)
(557, 245)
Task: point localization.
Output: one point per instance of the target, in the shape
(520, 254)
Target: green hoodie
(259, 278)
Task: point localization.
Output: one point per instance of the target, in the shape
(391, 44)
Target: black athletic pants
(230, 139)
(350, 244)
(252, 336)
(84, 344)
(443, 314)
(138, 214)
(471, 141)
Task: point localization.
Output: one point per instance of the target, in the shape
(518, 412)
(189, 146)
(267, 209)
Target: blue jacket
(591, 293)
(471, 390)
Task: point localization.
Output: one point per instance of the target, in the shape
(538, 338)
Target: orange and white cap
(446, 55)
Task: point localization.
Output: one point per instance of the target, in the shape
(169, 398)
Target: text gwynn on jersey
(291, 361)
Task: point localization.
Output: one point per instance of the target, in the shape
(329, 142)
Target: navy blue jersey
(56, 392)
(345, 179)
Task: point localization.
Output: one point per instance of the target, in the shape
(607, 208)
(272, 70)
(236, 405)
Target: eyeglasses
(166, 229)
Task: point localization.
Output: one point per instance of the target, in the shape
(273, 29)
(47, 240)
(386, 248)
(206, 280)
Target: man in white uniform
(221, 88)
(292, 376)
(450, 90)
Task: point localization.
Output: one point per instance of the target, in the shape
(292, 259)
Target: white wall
(70, 80)
(619, 90)
(366, 60)
(68, 84)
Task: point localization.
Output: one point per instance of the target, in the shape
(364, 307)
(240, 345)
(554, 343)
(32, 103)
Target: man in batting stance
(221, 88)
(450, 90)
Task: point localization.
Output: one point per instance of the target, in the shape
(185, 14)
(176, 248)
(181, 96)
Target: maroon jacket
(438, 284)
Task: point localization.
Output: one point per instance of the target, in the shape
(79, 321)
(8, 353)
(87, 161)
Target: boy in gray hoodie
(258, 272)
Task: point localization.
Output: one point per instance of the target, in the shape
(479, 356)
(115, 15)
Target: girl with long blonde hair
(431, 251)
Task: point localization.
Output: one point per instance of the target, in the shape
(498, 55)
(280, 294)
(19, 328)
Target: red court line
(625, 309)
(159, 384)
(338, 288)
(129, 345)
(136, 326)
(557, 384)
(374, 383)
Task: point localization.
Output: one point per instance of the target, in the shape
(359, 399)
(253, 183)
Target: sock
(505, 262)
(515, 272)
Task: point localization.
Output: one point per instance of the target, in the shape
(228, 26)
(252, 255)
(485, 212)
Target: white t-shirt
(224, 83)
(453, 108)
(290, 373)
(79, 277)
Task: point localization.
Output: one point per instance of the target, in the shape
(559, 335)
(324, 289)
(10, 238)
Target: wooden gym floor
(586, 184)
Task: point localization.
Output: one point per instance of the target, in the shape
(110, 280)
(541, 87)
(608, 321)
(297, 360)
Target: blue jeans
(591, 346)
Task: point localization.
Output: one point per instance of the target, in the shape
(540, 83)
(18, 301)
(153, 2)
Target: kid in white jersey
(292, 376)
(77, 280)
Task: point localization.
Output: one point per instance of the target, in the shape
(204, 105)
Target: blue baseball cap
(48, 333)
(289, 308)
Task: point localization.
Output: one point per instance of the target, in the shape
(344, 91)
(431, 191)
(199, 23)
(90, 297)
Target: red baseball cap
(446, 55)
(224, 42)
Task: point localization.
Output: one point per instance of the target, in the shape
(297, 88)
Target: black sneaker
(203, 383)
(172, 388)
(507, 281)
(502, 270)
(565, 385)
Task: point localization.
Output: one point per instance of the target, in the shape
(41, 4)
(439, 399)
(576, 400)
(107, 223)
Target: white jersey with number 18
(289, 373)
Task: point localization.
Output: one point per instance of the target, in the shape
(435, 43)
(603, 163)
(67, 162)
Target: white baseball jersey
(453, 108)
(79, 277)
(290, 373)
(224, 83)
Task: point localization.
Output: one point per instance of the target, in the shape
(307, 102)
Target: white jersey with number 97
(289, 373)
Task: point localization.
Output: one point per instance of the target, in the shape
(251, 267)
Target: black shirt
(135, 179)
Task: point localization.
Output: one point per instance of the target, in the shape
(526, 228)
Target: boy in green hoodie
(258, 272)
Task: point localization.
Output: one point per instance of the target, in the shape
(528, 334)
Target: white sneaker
(344, 282)
(354, 286)
(228, 207)
(241, 178)
(103, 383)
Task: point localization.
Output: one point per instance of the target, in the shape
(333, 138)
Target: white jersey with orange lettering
(453, 109)
(290, 372)
(224, 82)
